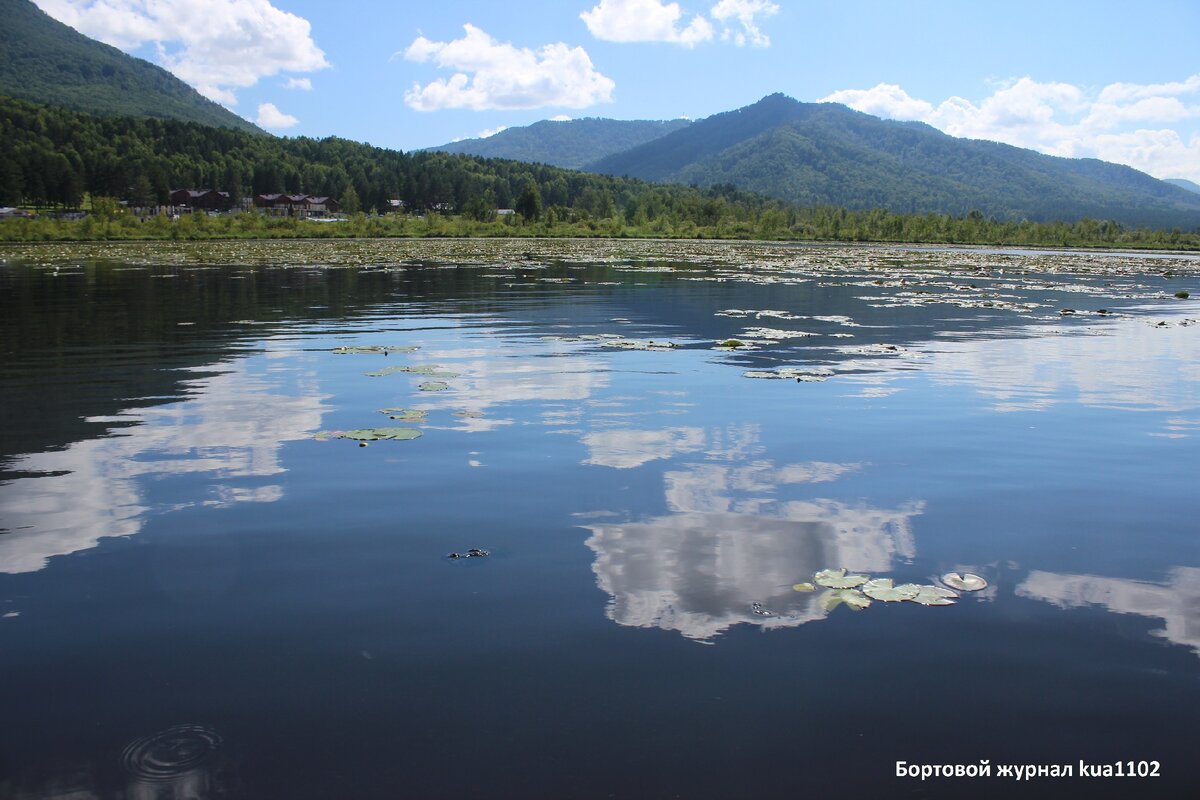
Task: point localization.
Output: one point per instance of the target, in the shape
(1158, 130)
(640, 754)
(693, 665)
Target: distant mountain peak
(829, 154)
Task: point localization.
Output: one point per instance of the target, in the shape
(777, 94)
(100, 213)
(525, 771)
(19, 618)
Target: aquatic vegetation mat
(858, 591)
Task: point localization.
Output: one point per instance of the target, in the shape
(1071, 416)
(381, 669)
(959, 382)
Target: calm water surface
(199, 598)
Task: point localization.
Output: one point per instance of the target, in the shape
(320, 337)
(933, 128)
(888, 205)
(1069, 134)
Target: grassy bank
(836, 225)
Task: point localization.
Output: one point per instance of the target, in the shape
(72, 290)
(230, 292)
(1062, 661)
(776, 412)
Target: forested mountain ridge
(45, 61)
(1191, 186)
(566, 143)
(53, 156)
(824, 153)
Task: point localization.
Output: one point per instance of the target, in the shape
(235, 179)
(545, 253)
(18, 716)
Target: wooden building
(202, 199)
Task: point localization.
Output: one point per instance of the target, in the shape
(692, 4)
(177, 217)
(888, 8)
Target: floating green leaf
(433, 386)
(935, 596)
(632, 344)
(368, 349)
(814, 375)
(853, 598)
(804, 587)
(379, 373)
(431, 371)
(964, 581)
(838, 579)
(371, 434)
(404, 413)
(428, 370)
(883, 589)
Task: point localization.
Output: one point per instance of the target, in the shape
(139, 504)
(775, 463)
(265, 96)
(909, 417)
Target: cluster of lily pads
(391, 433)
(858, 591)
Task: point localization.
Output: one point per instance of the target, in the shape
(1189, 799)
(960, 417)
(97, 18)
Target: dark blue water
(200, 599)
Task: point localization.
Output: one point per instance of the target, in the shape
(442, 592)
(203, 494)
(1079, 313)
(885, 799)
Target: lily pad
(369, 349)
(409, 414)
(838, 579)
(379, 373)
(804, 587)
(935, 596)
(852, 598)
(433, 386)
(883, 589)
(428, 370)
(964, 581)
(633, 344)
(815, 375)
(371, 434)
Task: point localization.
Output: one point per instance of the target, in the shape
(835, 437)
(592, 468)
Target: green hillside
(570, 143)
(1191, 186)
(47, 62)
(828, 154)
(52, 156)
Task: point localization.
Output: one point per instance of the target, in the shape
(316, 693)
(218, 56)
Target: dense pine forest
(58, 159)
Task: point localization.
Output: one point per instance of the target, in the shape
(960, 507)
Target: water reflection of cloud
(699, 572)
(729, 542)
(1126, 365)
(1177, 603)
(497, 376)
(230, 426)
(625, 449)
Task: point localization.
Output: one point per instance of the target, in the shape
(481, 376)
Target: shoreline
(1122, 249)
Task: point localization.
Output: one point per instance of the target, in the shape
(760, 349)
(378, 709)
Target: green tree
(349, 201)
(529, 203)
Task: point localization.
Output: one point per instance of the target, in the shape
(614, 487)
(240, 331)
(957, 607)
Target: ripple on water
(170, 754)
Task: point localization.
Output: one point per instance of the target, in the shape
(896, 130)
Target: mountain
(1191, 186)
(570, 143)
(48, 62)
(825, 153)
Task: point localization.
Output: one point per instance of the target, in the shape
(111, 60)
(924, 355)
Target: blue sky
(1112, 80)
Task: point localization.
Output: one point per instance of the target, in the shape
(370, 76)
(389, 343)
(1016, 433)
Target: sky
(1113, 80)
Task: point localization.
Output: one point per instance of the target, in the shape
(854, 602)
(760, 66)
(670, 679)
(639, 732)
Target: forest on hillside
(51, 157)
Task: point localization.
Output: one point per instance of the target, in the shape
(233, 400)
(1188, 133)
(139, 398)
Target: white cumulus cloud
(493, 75)
(271, 117)
(490, 132)
(645, 21)
(303, 84)
(744, 13)
(1134, 124)
(217, 46)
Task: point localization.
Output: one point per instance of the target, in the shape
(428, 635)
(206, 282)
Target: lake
(208, 591)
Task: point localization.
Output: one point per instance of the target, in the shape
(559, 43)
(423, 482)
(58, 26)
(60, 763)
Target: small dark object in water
(474, 552)
(1067, 311)
(1182, 295)
(757, 608)
(362, 444)
(1102, 311)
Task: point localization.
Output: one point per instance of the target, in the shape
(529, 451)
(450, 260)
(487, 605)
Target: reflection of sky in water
(229, 428)
(730, 541)
(1177, 602)
(1009, 442)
